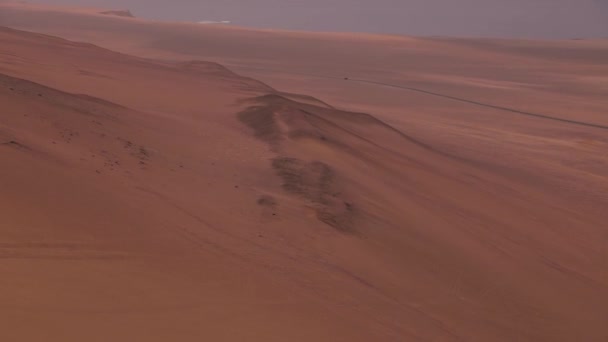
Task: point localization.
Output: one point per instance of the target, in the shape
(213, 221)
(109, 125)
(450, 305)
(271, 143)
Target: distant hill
(119, 13)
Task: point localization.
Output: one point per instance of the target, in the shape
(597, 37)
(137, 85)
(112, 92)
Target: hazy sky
(504, 18)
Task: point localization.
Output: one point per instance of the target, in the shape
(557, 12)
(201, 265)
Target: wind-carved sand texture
(184, 182)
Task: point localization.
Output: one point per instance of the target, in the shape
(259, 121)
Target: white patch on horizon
(213, 22)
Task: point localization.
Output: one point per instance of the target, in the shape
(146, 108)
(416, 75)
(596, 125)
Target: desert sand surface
(183, 182)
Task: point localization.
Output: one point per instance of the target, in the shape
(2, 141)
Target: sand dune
(186, 182)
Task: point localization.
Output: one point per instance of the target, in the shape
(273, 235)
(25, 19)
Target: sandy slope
(175, 200)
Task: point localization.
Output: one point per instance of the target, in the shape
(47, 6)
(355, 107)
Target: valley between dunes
(183, 182)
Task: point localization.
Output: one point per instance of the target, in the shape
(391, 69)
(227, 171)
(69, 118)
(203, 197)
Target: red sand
(148, 198)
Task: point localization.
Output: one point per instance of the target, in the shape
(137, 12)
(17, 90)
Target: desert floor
(184, 182)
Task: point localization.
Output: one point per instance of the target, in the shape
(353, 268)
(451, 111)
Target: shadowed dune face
(336, 188)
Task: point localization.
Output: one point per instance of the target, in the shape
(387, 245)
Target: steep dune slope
(144, 187)
(471, 234)
(182, 201)
(125, 224)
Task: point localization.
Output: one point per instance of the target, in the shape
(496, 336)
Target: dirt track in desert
(179, 182)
